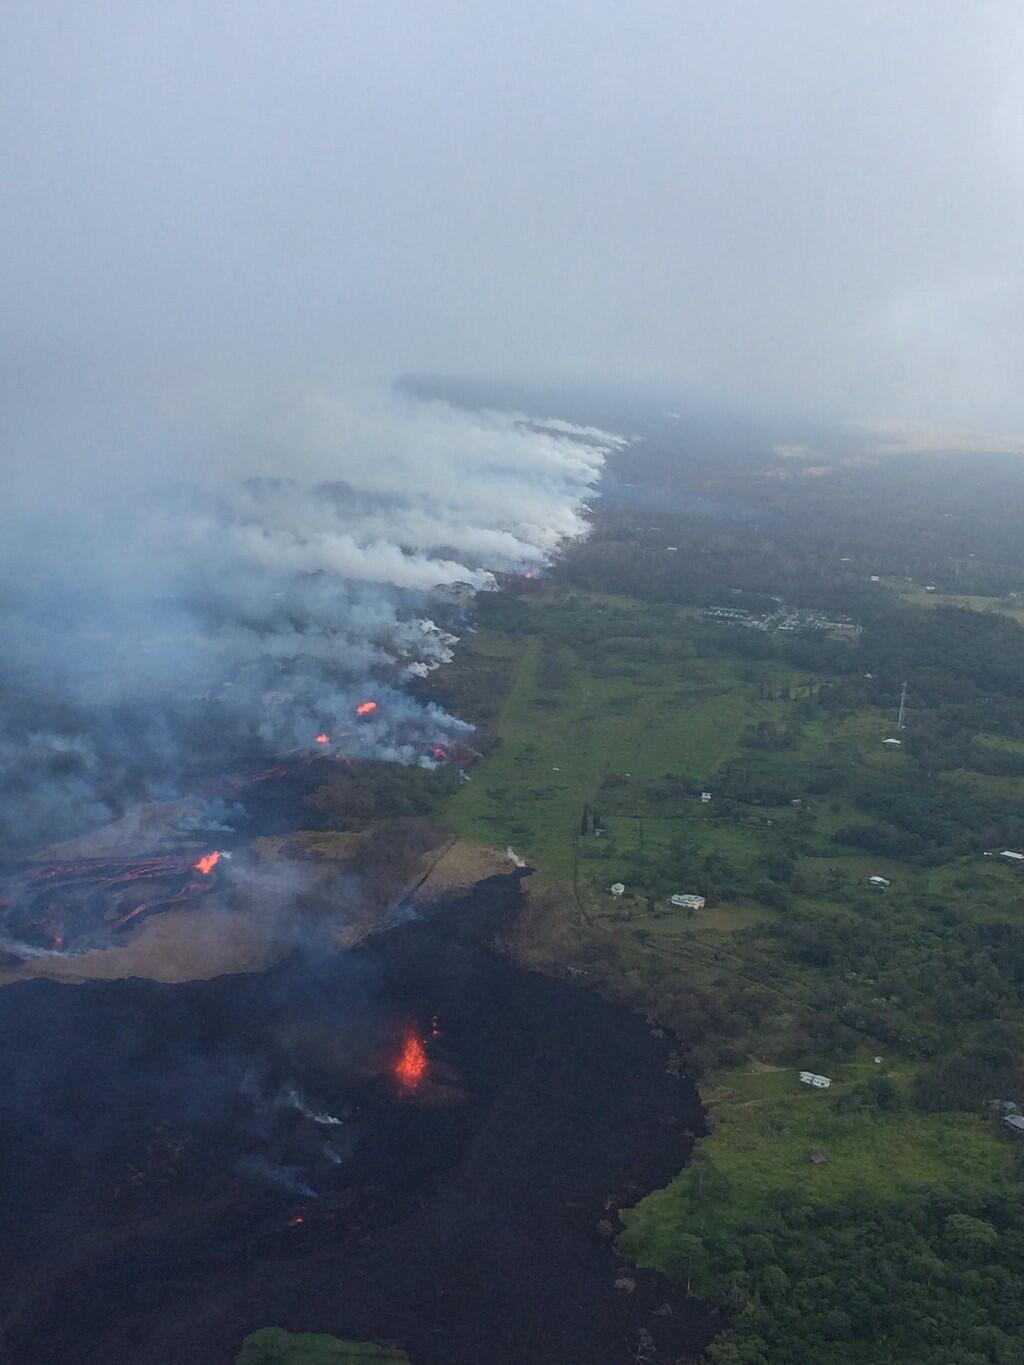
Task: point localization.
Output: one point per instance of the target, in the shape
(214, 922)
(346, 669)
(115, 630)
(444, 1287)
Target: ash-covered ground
(414, 1142)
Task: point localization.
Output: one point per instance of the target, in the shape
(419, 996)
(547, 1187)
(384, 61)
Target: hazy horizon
(804, 207)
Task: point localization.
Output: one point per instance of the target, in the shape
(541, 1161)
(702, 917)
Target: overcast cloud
(795, 203)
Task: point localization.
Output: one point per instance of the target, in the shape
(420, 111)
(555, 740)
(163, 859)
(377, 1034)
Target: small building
(893, 743)
(617, 888)
(688, 902)
(705, 797)
(1015, 1123)
(812, 1078)
(1004, 1106)
(879, 883)
(1008, 855)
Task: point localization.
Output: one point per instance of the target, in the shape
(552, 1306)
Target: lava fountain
(411, 1067)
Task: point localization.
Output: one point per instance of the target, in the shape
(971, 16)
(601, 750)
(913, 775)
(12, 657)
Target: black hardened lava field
(414, 1142)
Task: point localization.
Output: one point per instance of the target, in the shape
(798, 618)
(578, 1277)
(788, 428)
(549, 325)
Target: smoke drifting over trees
(252, 602)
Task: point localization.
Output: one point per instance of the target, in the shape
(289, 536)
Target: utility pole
(901, 723)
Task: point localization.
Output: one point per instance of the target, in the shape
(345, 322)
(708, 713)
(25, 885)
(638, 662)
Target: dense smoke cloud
(252, 603)
(219, 213)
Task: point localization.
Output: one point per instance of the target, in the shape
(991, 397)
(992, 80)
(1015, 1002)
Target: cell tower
(901, 723)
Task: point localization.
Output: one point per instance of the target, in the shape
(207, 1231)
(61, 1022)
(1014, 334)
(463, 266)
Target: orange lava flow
(207, 863)
(323, 739)
(366, 708)
(411, 1067)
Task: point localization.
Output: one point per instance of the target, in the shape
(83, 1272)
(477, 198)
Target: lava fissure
(48, 905)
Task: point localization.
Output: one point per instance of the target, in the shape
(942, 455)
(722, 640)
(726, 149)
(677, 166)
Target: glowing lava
(528, 573)
(207, 863)
(323, 739)
(366, 708)
(411, 1067)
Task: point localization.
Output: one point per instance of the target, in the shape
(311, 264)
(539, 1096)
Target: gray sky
(793, 203)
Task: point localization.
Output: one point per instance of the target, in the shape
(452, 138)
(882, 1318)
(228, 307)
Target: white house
(617, 888)
(1015, 1122)
(880, 882)
(1012, 857)
(893, 743)
(688, 902)
(705, 797)
(811, 1078)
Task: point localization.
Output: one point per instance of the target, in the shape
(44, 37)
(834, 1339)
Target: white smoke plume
(158, 608)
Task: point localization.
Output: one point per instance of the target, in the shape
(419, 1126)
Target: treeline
(746, 518)
(353, 798)
(926, 1280)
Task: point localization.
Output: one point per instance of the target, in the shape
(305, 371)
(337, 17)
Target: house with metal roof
(812, 1078)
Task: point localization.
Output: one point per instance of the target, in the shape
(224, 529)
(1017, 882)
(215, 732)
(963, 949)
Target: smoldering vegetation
(182, 617)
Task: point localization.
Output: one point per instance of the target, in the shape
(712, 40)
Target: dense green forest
(880, 1220)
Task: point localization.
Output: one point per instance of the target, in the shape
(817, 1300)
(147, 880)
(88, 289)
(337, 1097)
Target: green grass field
(917, 595)
(766, 1125)
(557, 745)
